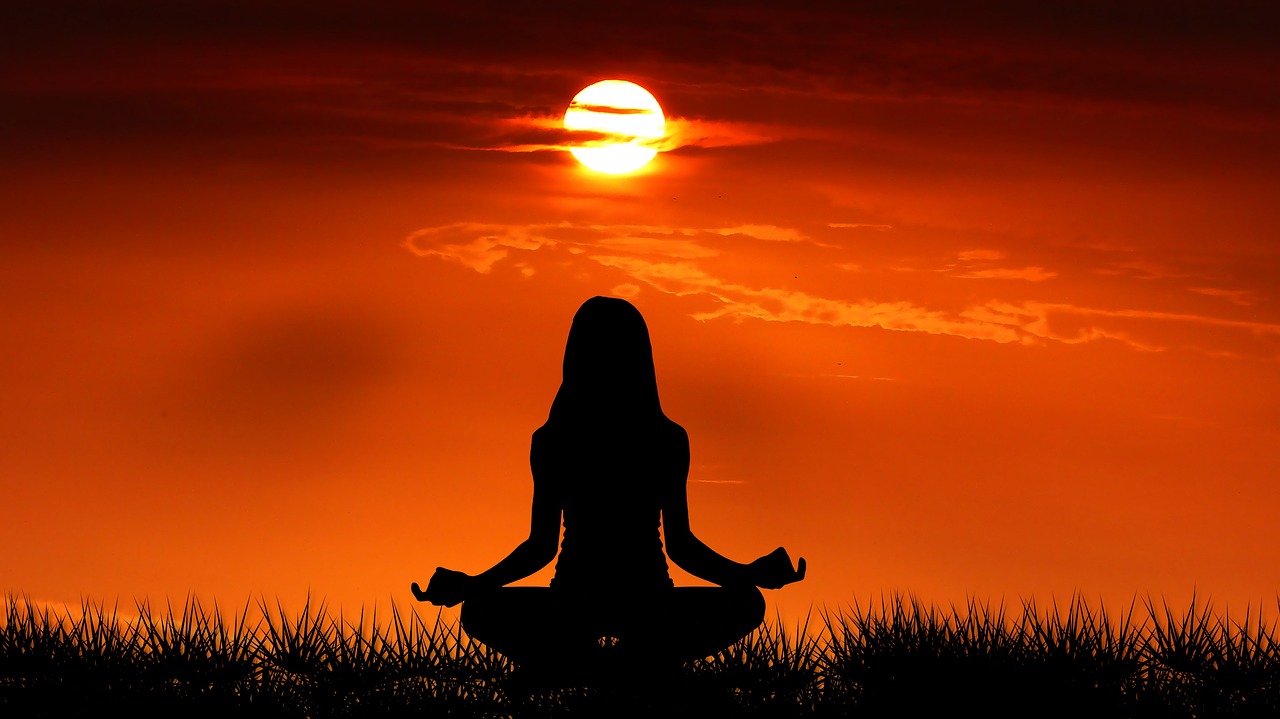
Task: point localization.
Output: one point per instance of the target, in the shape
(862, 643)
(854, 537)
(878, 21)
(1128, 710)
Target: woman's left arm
(771, 571)
(449, 587)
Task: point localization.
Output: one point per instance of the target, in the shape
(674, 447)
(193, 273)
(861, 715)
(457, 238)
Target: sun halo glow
(627, 114)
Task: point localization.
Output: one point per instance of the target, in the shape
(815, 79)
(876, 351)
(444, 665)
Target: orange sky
(959, 305)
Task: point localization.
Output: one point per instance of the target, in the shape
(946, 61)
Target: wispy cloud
(979, 264)
(707, 133)
(765, 232)
(780, 305)
(1244, 298)
(610, 109)
(680, 261)
(860, 226)
(480, 246)
(661, 246)
(1143, 269)
(979, 254)
(546, 133)
(1030, 274)
(475, 245)
(1149, 330)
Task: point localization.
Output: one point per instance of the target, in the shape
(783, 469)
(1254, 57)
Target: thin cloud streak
(474, 245)
(980, 254)
(777, 305)
(610, 109)
(546, 133)
(979, 267)
(479, 246)
(681, 132)
(1244, 298)
(669, 259)
(1030, 274)
(859, 226)
(765, 232)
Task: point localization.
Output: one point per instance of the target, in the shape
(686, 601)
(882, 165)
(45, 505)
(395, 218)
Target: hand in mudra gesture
(774, 570)
(447, 588)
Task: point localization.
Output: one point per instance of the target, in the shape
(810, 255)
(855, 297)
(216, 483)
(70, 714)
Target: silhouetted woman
(611, 464)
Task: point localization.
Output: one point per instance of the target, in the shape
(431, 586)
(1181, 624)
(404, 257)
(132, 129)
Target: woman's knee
(751, 605)
(510, 612)
(484, 614)
(475, 617)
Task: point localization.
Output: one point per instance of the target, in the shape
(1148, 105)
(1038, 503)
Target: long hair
(608, 376)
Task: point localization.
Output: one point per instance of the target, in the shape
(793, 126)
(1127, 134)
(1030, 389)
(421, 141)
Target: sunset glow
(952, 300)
(630, 118)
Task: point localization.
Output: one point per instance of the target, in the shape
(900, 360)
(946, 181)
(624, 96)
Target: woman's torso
(610, 483)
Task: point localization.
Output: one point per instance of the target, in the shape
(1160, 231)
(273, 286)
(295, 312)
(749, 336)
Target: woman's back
(610, 481)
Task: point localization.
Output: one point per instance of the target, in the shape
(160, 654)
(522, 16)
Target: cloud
(1030, 274)
(1142, 269)
(669, 265)
(1244, 298)
(479, 246)
(705, 133)
(977, 264)
(522, 132)
(1147, 330)
(765, 232)
(779, 305)
(859, 226)
(679, 261)
(610, 109)
(546, 134)
(475, 245)
(239, 70)
(980, 254)
(663, 246)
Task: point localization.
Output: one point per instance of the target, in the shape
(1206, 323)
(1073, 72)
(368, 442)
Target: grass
(897, 657)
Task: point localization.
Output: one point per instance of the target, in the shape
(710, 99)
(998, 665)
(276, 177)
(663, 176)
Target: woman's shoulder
(544, 438)
(668, 428)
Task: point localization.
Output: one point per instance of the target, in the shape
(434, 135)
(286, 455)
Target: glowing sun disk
(628, 116)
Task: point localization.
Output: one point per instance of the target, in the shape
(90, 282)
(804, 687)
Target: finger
(418, 594)
(800, 569)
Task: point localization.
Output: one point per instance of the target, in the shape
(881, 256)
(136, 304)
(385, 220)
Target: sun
(630, 118)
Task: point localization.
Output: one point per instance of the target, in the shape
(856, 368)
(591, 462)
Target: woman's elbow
(547, 556)
(678, 551)
(544, 551)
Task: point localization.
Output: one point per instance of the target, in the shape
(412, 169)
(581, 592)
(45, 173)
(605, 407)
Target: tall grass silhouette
(896, 657)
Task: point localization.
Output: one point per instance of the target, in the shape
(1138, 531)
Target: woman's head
(608, 364)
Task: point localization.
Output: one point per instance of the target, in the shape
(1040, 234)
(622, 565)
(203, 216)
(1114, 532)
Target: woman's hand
(774, 570)
(447, 588)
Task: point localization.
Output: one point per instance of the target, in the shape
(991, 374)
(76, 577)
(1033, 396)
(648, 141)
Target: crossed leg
(545, 626)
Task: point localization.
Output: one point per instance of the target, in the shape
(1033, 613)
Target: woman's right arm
(690, 553)
(771, 571)
(448, 587)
